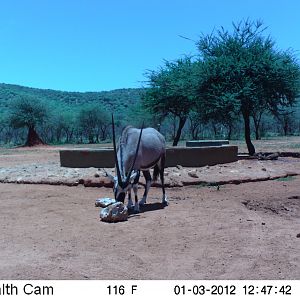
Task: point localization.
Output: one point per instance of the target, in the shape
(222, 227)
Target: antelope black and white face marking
(120, 190)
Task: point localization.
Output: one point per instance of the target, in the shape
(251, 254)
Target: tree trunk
(91, 138)
(229, 133)
(195, 133)
(250, 146)
(32, 138)
(194, 129)
(285, 126)
(103, 133)
(58, 134)
(215, 130)
(256, 122)
(182, 121)
(257, 135)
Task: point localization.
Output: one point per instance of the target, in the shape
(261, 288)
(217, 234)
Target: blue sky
(92, 45)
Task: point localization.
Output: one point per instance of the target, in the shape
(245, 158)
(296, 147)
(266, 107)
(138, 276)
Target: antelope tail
(155, 172)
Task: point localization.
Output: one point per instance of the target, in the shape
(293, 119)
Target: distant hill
(115, 100)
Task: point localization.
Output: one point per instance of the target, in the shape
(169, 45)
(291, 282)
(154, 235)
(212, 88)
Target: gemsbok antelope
(138, 150)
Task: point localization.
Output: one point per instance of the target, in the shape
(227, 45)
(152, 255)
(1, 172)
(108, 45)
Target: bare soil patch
(230, 231)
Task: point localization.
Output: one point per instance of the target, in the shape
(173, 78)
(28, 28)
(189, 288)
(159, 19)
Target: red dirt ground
(245, 231)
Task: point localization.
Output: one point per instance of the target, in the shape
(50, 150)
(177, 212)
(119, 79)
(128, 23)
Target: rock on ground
(104, 202)
(115, 212)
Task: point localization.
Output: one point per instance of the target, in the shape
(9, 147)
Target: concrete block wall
(184, 156)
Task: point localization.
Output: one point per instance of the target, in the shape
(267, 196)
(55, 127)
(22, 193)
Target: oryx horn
(115, 150)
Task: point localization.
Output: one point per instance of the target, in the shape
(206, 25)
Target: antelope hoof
(130, 207)
(142, 202)
(165, 201)
(136, 208)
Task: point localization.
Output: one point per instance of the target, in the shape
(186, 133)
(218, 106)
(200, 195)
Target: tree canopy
(171, 91)
(236, 73)
(93, 121)
(28, 112)
(242, 72)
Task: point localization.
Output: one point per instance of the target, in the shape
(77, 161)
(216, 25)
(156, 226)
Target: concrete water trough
(184, 156)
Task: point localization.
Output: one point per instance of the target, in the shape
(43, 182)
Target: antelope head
(122, 182)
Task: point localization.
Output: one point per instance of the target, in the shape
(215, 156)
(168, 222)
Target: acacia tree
(28, 111)
(222, 110)
(69, 126)
(257, 117)
(195, 124)
(172, 91)
(94, 123)
(286, 119)
(242, 70)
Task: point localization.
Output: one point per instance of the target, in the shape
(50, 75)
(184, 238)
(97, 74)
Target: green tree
(222, 110)
(286, 120)
(242, 71)
(28, 111)
(195, 124)
(69, 125)
(94, 123)
(172, 91)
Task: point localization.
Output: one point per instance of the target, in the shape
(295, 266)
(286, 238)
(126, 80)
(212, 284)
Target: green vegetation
(93, 122)
(238, 85)
(171, 92)
(238, 75)
(243, 73)
(29, 112)
(68, 119)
